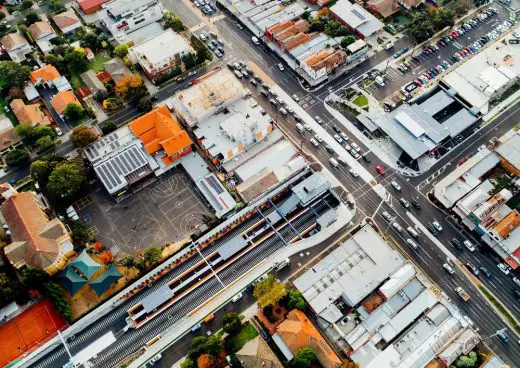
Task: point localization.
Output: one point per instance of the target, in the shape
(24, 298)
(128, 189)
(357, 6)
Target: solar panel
(212, 181)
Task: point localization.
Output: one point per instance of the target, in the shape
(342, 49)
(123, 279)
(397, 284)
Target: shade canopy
(86, 265)
(71, 280)
(105, 280)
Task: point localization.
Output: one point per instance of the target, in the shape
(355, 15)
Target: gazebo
(105, 280)
(71, 280)
(86, 265)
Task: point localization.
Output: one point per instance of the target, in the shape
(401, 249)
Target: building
(117, 69)
(16, 46)
(486, 75)
(257, 354)
(356, 18)
(297, 332)
(67, 22)
(504, 237)
(49, 77)
(37, 240)
(62, 99)
(160, 54)
(42, 33)
(92, 82)
(384, 8)
(124, 18)
(409, 4)
(509, 152)
(29, 114)
(90, 6)
(8, 137)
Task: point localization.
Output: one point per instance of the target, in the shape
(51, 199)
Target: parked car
(502, 267)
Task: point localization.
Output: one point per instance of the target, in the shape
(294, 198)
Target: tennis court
(29, 329)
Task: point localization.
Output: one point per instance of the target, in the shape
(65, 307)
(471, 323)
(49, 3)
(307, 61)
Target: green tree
(144, 105)
(203, 54)
(152, 256)
(121, 51)
(54, 293)
(44, 142)
(74, 113)
(231, 323)
(34, 278)
(211, 345)
(109, 127)
(42, 131)
(335, 29)
(2, 15)
(467, 361)
(90, 40)
(79, 235)
(269, 291)
(348, 40)
(17, 158)
(66, 179)
(13, 74)
(7, 289)
(76, 61)
(296, 300)
(83, 135)
(26, 4)
(56, 41)
(316, 26)
(304, 358)
(31, 18)
(173, 22)
(40, 170)
(57, 6)
(188, 60)
(127, 261)
(188, 363)
(24, 130)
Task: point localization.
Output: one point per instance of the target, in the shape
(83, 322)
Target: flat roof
(311, 187)
(232, 246)
(160, 48)
(357, 17)
(120, 8)
(510, 150)
(158, 297)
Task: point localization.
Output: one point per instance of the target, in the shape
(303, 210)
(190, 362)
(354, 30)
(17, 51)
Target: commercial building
(509, 152)
(42, 33)
(16, 46)
(486, 75)
(37, 240)
(159, 54)
(356, 18)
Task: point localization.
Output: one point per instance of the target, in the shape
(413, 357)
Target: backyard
(96, 65)
(247, 333)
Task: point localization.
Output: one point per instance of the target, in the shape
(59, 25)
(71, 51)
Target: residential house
(383, 8)
(159, 54)
(257, 354)
(409, 4)
(49, 77)
(90, 6)
(67, 22)
(29, 114)
(297, 332)
(117, 69)
(93, 83)
(37, 240)
(356, 18)
(16, 46)
(42, 33)
(62, 99)
(8, 137)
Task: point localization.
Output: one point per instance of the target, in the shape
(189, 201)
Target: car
(433, 230)
(387, 216)
(314, 142)
(280, 66)
(329, 149)
(502, 267)
(448, 268)
(415, 203)
(338, 138)
(516, 294)
(265, 335)
(318, 138)
(395, 185)
(474, 270)
(348, 147)
(272, 101)
(344, 136)
(501, 335)
(486, 272)
(253, 82)
(218, 54)
(279, 100)
(397, 227)
(469, 245)
(236, 298)
(341, 160)
(318, 120)
(295, 98)
(456, 243)
(437, 225)
(404, 203)
(155, 359)
(516, 280)
(353, 173)
(355, 154)
(355, 147)
(306, 126)
(418, 82)
(197, 4)
(283, 111)
(380, 170)
(366, 158)
(289, 109)
(58, 131)
(336, 129)
(412, 243)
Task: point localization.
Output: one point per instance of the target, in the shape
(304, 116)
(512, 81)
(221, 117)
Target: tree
(74, 113)
(467, 361)
(17, 157)
(173, 22)
(203, 54)
(106, 257)
(152, 256)
(42, 131)
(144, 105)
(56, 41)
(54, 293)
(231, 323)
(131, 88)
(26, 4)
(24, 130)
(2, 15)
(121, 51)
(304, 358)
(205, 361)
(13, 74)
(7, 289)
(188, 363)
(348, 40)
(83, 136)
(335, 29)
(89, 40)
(66, 179)
(296, 300)
(79, 235)
(44, 142)
(34, 278)
(206, 345)
(349, 364)
(31, 18)
(128, 262)
(77, 61)
(188, 60)
(316, 26)
(269, 291)
(57, 6)
(40, 170)
(109, 127)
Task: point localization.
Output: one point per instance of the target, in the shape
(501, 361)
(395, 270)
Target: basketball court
(29, 329)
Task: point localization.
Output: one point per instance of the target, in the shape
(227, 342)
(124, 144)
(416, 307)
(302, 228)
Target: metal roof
(510, 150)
(312, 187)
(157, 298)
(231, 247)
(86, 265)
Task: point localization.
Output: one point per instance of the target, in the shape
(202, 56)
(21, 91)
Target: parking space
(166, 211)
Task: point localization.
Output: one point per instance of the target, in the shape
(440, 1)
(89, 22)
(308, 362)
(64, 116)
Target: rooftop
(13, 40)
(62, 99)
(45, 74)
(40, 29)
(122, 8)
(28, 114)
(311, 187)
(510, 151)
(357, 17)
(159, 49)
(66, 19)
(8, 136)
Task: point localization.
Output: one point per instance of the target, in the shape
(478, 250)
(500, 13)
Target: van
(255, 40)
(379, 80)
(412, 244)
(412, 232)
(209, 318)
(389, 46)
(333, 162)
(282, 264)
(300, 127)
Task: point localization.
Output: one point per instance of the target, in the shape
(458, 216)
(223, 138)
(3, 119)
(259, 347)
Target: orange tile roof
(508, 224)
(158, 130)
(45, 74)
(62, 99)
(298, 332)
(28, 114)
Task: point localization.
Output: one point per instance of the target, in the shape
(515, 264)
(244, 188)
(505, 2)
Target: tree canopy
(269, 291)
(76, 61)
(304, 358)
(13, 74)
(152, 256)
(121, 51)
(16, 157)
(74, 113)
(231, 323)
(66, 179)
(83, 135)
(296, 300)
(108, 127)
(40, 170)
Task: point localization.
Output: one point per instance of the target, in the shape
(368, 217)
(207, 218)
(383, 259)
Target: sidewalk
(183, 326)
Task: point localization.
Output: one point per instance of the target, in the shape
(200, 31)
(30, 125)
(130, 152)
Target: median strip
(513, 323)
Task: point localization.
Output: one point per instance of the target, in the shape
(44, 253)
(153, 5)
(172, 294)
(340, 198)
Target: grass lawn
(247, 333)
(96, 65)
(8, 114)
(400, 20)
(361, 101)
(76, 81)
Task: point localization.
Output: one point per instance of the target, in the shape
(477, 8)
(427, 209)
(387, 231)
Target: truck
(462, 293)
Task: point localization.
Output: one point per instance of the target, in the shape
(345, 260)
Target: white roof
(356, 17)
(159, 49)
(93, 349)
(410, 124)
(397, 280)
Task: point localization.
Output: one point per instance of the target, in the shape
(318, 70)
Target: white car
(295, 98)
(307, 127)
(280, 66)
(387, 216)
(318, 138)
(338, 138)
(236, 298)
(436, 225)
(395, 185)
(318, 120)
(283, 111)
(58, 131)
(448, 268)
(469, 245)
(503, 268)
(396, 226)
(344, 136)
(341, 160)
(353, 173)
(516, 280)
(467, 319)
(355, 147)
(155, 359)
(314, 142)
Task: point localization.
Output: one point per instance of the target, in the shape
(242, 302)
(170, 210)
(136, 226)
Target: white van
(389, 46)
(379, 80)
(255, 40)
(333, 162)
(282, 264)
(300, 127)
(412, 243)
(412, 232)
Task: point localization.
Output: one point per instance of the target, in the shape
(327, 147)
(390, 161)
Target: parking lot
(164, 212)
(419, 62)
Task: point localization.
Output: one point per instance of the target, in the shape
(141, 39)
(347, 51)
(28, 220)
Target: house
(67, 22)
(16, 46)
(8, 137)
(49, 77)
(117, 69)
(356, 18)
(37, 240)
(93, 83)
(90, 6)
(257, 354)
(159, 54)
(42, 33)
(29, 114)
(409, 4)
(383, 8)
(297, 332)
(62, 99)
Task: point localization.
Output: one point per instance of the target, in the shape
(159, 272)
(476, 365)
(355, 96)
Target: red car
(380, 170)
